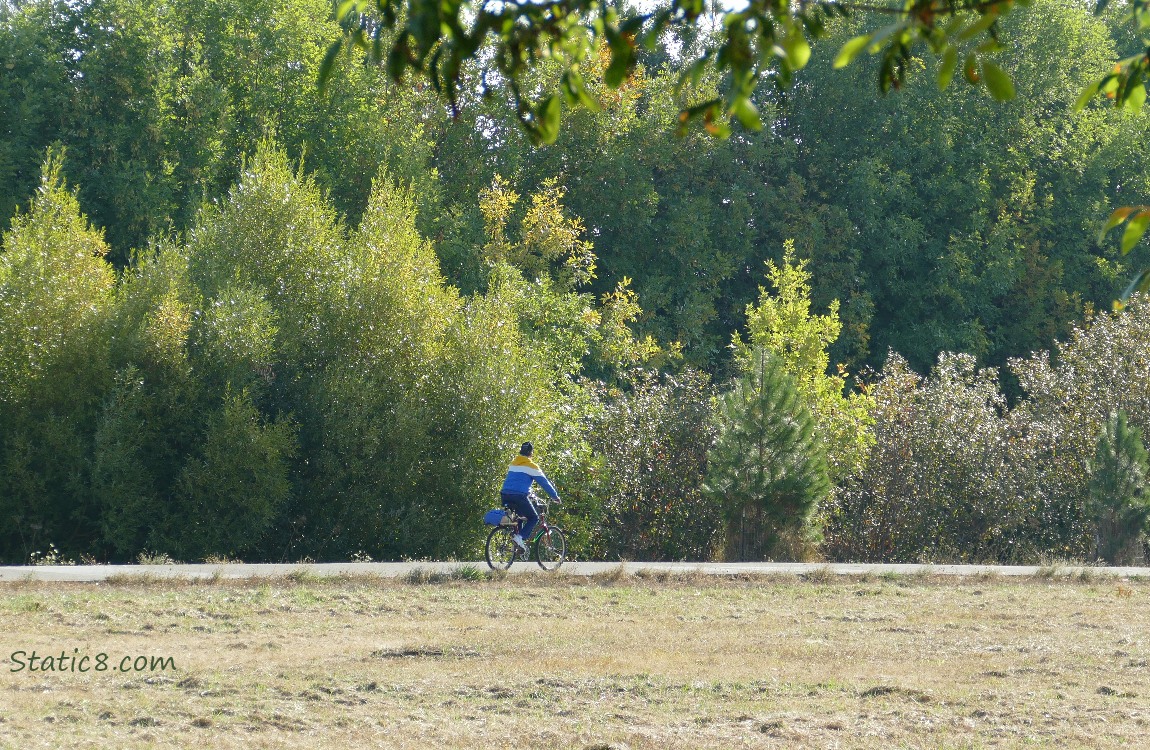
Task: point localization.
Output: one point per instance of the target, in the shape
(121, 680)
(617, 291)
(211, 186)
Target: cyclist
(522, 472)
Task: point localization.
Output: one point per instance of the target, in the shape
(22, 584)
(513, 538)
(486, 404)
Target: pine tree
(1118, 500)
(768, 468)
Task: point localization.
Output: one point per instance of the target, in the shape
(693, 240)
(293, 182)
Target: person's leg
(522, 505)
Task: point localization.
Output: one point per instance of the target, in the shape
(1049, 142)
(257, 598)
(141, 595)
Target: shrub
(937, 485)
(767, 469)
(654, 439)
(229, 493)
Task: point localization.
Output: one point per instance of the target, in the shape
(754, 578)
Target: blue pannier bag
(494, 517)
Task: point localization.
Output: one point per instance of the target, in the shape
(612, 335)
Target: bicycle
(548, 542)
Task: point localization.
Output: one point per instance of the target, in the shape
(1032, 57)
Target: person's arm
(545, 483)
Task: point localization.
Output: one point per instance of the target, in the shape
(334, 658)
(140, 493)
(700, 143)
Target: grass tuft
(821, 574)
(302, 576)
(421, 576)
(654, 576)
(469, 573)
(612, 577)
(154, 558)
(222, 560)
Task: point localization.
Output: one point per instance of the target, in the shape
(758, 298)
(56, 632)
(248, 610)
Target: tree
(34, 98)
(762, 41)
(56, 294)
(782, 325)
(1119, 502)
(235, 485)
(767, 469)
(771, 41)
(948, 479)
(158, 103)
(972, 221)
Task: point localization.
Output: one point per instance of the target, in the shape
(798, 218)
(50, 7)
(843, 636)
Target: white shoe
(520, 543)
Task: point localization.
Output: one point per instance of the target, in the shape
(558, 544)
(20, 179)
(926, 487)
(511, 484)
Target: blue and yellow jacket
(522, 472)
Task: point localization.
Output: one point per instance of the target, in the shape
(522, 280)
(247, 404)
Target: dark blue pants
(522, 505)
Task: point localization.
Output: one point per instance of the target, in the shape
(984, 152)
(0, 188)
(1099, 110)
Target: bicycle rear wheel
(501, 547)
(550, 549)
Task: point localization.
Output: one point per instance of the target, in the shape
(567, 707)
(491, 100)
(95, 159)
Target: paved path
(93, 573)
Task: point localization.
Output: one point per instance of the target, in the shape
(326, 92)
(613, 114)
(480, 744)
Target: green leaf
(990, 45)
(1140, 284)
(344, 8)
(1135, 97)
(621, 58)
(980, 25)
(547, 115)
(947, 67)
(970, 69)
(883, 34)
(998, 83)
(576, 90)
(798, 49)
(1117, 217)
(747, 114)
(717, 127)
(327, 67)
(1135, 229)
(1087, 94)
(850, 51)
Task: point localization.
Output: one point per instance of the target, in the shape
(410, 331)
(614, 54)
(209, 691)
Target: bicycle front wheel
(551, 549)
(501, 547)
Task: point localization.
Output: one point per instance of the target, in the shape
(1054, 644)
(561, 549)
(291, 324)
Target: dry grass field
(614, 661)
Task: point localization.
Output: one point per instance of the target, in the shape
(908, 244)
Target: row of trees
(279, 385)
(274, 355)
(942, 221)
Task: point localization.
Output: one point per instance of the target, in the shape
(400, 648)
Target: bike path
(116, 573)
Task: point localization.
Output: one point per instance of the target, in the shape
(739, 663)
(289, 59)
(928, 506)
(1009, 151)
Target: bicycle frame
(541, 507)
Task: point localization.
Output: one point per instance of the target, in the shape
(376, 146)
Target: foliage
(55, 298)
(748, 44)
(957, 475)
(54, 287)
(249, 311)
(654, 439)
(123, 484)
(941, 221)
(277, 384)
(971, 223)
(34, 95)
(539, 267)
(782, 325)
(1119, 503)
(550, 244)
(157, 103)
(231, 491)
(767, 468)
(1070, 394)
(944, 481)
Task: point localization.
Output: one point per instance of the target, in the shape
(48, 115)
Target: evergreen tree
(1118, 499)
(767, 468)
